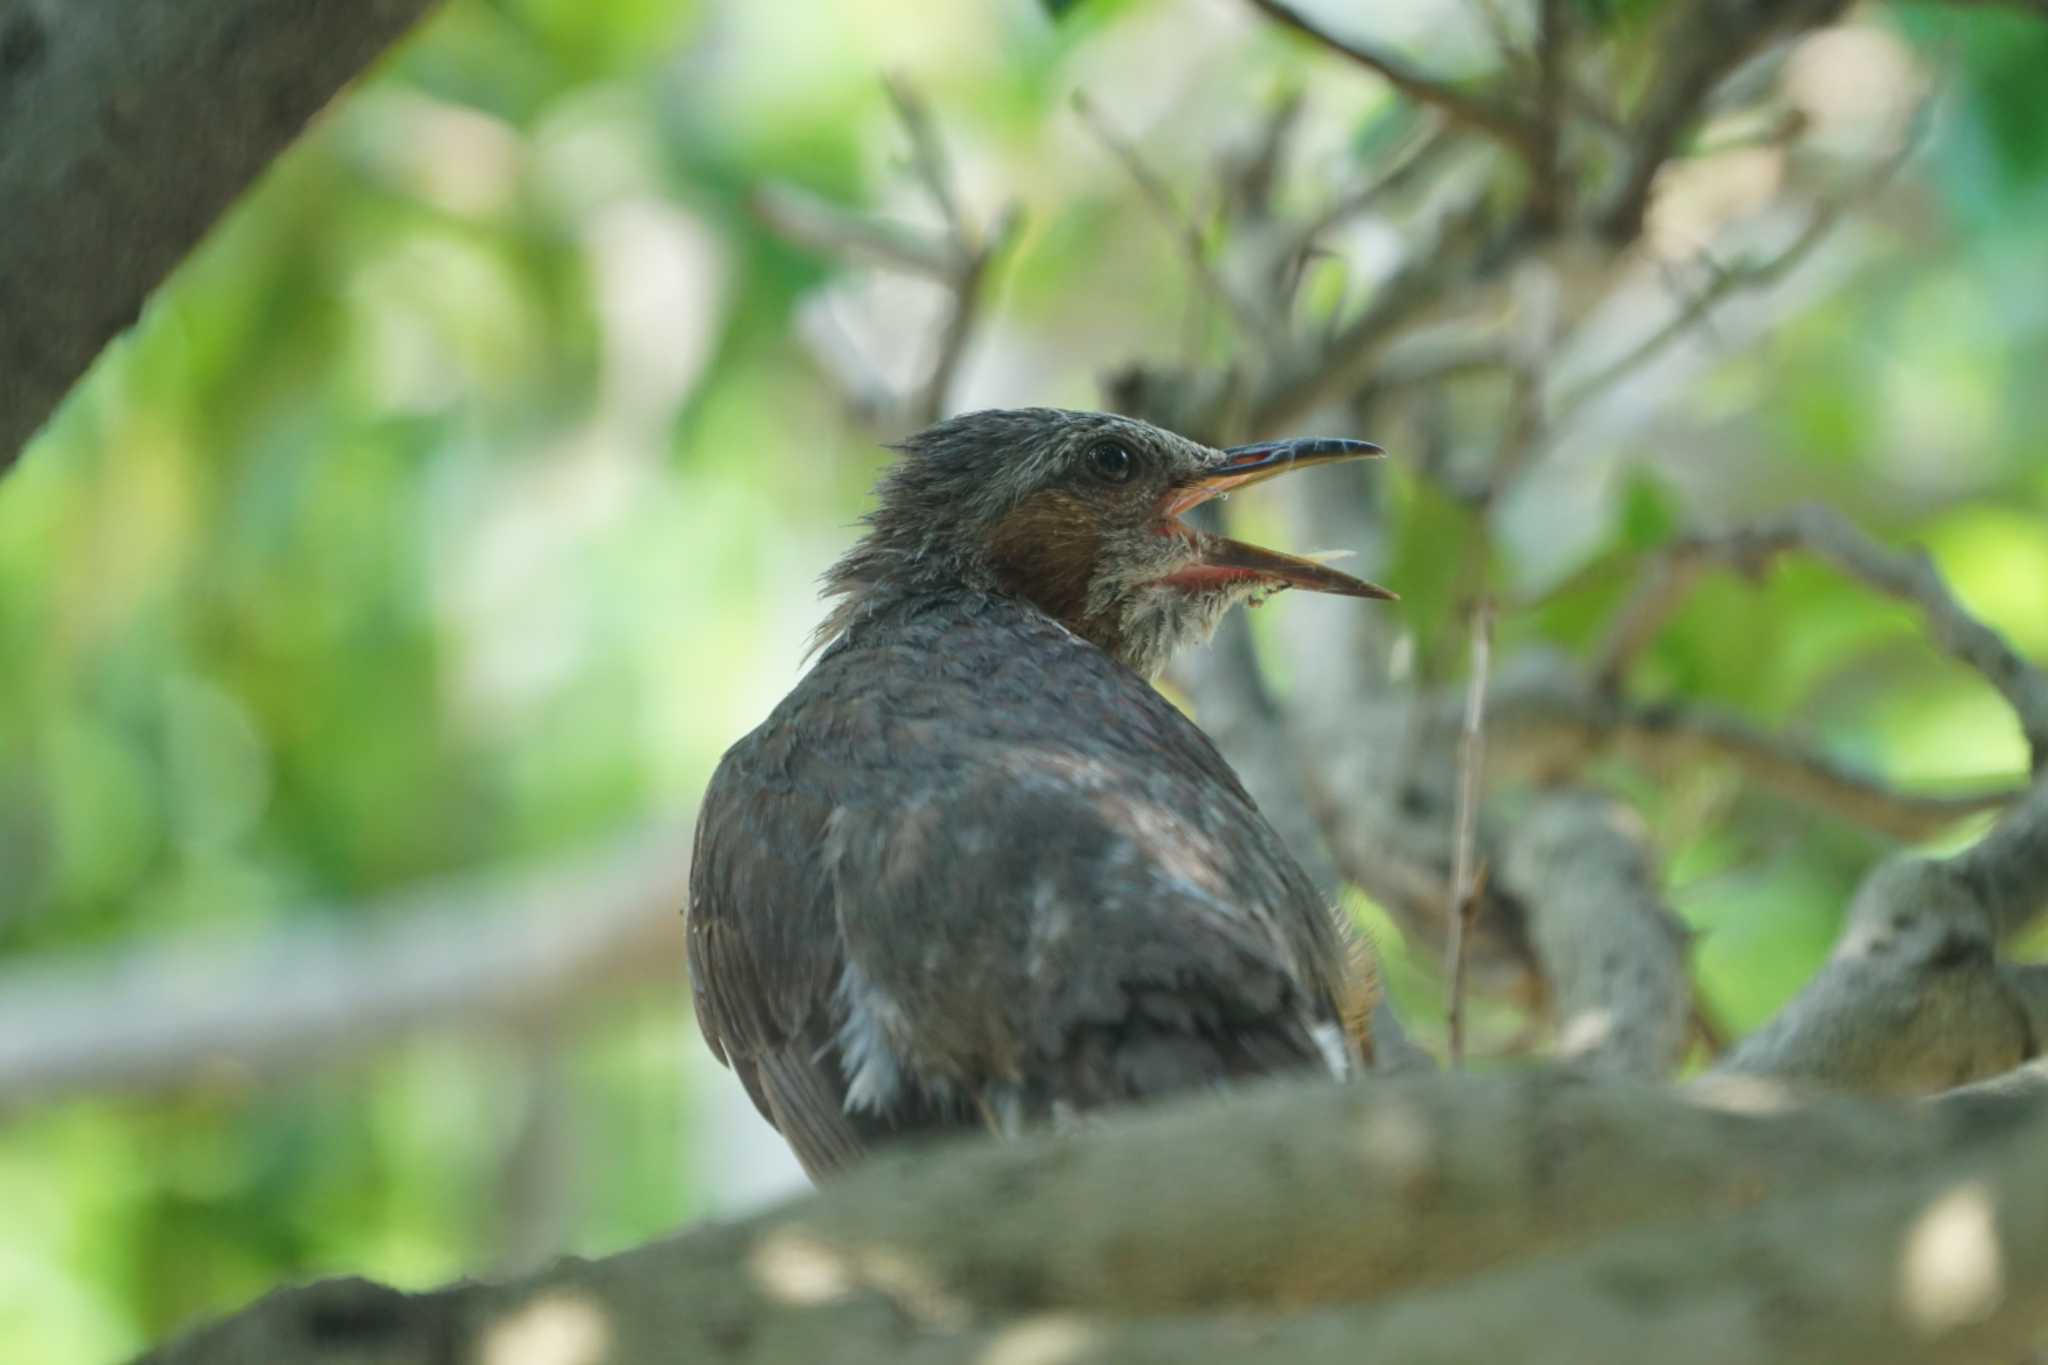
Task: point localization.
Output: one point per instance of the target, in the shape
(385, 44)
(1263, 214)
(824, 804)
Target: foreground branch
(1422, 1220)
(126, 128)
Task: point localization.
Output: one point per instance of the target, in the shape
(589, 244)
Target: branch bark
(1422, 1220)
(126, 128)
(1915, 997)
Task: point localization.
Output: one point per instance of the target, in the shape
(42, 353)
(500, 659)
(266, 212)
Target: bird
(975, 871)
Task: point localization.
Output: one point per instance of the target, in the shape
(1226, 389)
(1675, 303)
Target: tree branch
(1496, 120)
(1610, 947)
(1705, 41)
(1908, 575)
(1914, 998)
(207, 1011)
(1418, 1220)
(1550, 726)
(126, 128)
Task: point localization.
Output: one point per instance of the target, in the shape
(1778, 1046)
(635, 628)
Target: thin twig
(1464, 896)
(817, 224)
(1547, 190)
(1343, 362)
(1908, 575)
(1492, 118)
(1703, 43)
(1413, 157)
(969, 292)
(928, 154)
(1724, 281)
(1556, 731)
(1251, 179)
(959, 257)
(1177, 220)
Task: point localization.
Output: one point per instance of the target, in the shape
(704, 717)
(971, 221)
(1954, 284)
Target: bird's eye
(1111, 463)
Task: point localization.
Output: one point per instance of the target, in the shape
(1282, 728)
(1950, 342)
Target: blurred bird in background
(974, 871)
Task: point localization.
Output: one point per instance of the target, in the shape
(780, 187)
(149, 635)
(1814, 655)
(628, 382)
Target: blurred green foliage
(461, 499)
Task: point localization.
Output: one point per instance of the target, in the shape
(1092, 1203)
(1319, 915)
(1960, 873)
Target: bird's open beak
(1223, 560)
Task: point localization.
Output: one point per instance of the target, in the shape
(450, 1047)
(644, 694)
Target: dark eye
(1111, 463)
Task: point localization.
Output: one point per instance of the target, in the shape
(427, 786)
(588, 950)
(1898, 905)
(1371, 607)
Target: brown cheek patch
(1044, 551)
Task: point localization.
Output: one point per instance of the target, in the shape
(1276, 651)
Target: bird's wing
(1070, 927)
(764, 957)
(766, 960)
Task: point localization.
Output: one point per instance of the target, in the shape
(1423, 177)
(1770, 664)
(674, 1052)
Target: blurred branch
(817, 224)
(1553, 727)
(1727, 281)
(1419, 1219)
(1344, 363)
(1186, 231)
(928, 154)
(1611, 948)
(1497, 120)
(970, 288)
(959, 258)
(129, 129)
(210, 1011)
(1704, 41)
(1909, 576)
(1914, 998)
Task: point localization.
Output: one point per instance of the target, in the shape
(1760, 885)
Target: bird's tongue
(1225, 563)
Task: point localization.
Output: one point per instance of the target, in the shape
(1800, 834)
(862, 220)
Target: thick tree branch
(1422, 1220)
(126, 128)
(1613, 952)
(1915, 998)
(195, 1012)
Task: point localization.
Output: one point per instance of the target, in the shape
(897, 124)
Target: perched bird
(974, 870)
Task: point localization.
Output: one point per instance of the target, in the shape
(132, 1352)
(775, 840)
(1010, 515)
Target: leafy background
(462, 498)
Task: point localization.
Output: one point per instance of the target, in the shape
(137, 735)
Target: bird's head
(1080, 514)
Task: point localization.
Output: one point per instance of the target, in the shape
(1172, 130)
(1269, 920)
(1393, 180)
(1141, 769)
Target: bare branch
(1725, 282)
(819, 225)
(1907, 575)
(1494, 119)
(960, 258)
(1704, 41)
(1186, 231)
(1342, 365)
(1610, 947)
(205, 1011)
(1414, 157)
(928, 155)
(1395, 1221)
(1552, 727)
(1914, 998)
(969, 292)
(1549, 187)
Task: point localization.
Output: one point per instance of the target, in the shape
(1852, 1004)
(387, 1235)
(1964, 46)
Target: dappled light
(419, 455)
(1952, 1269)
(554, 1329)
(793, 1267)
